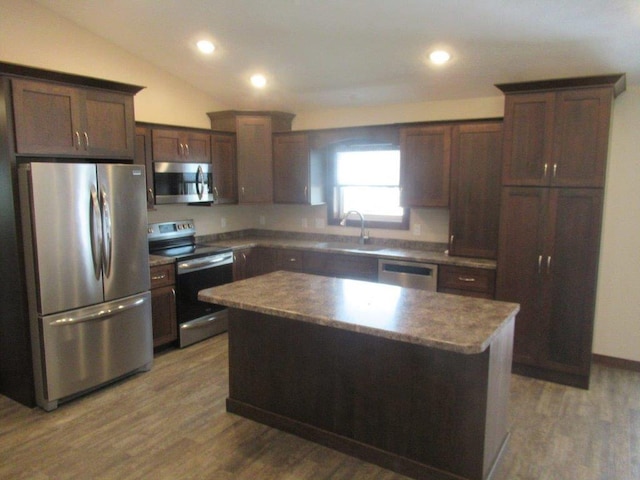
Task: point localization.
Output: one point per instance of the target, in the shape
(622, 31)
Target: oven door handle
(209, 262)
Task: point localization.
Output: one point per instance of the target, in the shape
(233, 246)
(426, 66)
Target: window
(366, 178)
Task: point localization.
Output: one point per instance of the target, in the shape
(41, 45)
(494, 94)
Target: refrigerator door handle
(107, 243)
(96, 233)
(97, 312)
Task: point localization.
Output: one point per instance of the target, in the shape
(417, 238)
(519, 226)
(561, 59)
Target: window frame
(333, 188)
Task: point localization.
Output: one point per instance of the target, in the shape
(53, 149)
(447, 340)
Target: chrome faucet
(363, 238)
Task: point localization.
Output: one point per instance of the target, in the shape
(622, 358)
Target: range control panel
(168, 230)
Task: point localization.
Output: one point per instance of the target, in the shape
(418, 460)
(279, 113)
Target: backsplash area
(429, 225)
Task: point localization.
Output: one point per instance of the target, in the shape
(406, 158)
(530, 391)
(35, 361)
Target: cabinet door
(572, 265)
(196, 147)
(425, 166)
(291, 168)
(581, 136)
(255, 161)
(109, 124)
(223, 159)
(521, 273)
(475, 189)
(163, 314)
(245, 263)
(528, 134)
(47, 118)
(143, 157)
(168, 146)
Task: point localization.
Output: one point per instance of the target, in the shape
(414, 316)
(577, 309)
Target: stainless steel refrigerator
(86, 255)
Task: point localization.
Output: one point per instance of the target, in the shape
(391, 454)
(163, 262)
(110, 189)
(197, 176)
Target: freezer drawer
(85, 348)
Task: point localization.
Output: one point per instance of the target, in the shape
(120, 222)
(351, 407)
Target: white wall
(34, 36)
(617, 328)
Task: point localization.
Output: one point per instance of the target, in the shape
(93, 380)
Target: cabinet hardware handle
(546, 167)
(173, 292)
(539, 263)
(292, 259)
(451, 239)
(181, 150)
(150, 196)
(215, 194)
(77, 140)
(186, 148)
(244, 257)
(159, 277)
(242, 189)
(555, 169)
(548, 264)
(306, 191)
(86, 140)
(467, 279)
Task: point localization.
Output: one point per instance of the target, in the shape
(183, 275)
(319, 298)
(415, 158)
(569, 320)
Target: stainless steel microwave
(177, 182)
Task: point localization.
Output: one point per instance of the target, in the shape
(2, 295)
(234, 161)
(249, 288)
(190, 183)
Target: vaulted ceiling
(331, 53)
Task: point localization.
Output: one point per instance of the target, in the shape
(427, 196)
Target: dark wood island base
(421, 411)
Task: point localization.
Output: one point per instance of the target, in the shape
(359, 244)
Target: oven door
(177, 182)
(199, 320)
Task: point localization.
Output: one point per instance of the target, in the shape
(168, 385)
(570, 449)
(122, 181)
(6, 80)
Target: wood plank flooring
(171, 423)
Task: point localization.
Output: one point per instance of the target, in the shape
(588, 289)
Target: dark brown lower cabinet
(163, 305)
(548, 263)
(467, 281)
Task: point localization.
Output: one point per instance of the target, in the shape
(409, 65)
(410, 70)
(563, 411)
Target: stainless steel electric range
(198, 266)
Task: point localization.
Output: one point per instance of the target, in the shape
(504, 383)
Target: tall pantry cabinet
(554, 158)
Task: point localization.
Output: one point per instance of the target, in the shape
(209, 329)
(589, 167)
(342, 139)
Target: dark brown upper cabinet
(57, 119)
(558, 136)
(474, 214)
(425, 160)
(180, 145)
(254, 151)
(298, 172)
(223, 159)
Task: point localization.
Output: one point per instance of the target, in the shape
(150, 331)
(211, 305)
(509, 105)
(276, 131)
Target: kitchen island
(414, 381)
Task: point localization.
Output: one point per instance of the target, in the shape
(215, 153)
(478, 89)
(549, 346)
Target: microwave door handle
(108, 234)
(200, 182)
(95, 223)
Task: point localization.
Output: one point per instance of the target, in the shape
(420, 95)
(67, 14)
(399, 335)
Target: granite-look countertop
(376, 250)
(448, 322)
(156, 260)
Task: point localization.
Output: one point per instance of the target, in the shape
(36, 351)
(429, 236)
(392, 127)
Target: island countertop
(448, 322)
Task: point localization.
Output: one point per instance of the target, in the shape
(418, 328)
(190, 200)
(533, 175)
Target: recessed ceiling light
(258, 80)
(439, 57)
(205, 46)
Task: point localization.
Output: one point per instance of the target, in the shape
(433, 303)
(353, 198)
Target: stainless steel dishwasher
(408, 274)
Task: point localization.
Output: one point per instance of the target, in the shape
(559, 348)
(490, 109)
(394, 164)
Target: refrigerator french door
(88, 280)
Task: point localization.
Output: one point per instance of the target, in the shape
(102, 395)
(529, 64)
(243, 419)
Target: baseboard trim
(614, 362)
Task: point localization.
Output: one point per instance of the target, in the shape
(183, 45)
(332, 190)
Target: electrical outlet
(263, 220)
(223, 222)
(305, 223)
(417, 229)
